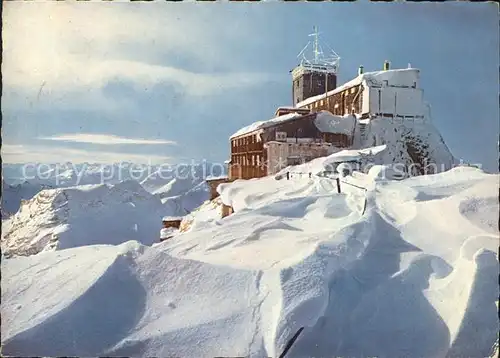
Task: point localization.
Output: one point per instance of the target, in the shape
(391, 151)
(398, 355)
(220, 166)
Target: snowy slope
(182, 204)
(88, 214)
(415, 275)
(12, 195)
(176, 180)
(183, 189)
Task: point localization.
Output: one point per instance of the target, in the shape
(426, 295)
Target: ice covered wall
(398, 101)
(400, 118)
(416, 144)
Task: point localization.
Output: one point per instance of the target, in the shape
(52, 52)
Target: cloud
(16, 153)
(104, 139)
(58, 47)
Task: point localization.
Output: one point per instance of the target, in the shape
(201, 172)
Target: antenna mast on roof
(316, 44)
(322, 61)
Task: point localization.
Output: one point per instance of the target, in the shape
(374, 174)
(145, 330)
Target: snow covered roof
(323, 120)
(290, 109)
(171, 218)
(328, 123)
(220, 177)
(264, 124)
(168, 232)
(397, 77)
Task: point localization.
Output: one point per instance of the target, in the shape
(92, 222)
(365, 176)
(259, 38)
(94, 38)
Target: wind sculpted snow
(414, 274)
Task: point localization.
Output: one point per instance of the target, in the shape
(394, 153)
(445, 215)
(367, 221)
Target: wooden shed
(171, 221)
(214, 182)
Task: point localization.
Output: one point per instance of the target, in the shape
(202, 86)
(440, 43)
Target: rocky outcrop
(414, 144)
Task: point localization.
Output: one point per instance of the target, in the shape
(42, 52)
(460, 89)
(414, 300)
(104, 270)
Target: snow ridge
(58, 219)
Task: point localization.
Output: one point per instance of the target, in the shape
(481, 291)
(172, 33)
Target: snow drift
(415, 275)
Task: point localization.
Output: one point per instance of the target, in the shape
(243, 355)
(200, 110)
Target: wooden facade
(171, 222)
(347, 101)
(249, 155)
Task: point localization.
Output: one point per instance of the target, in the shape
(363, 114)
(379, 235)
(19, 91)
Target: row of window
(248, 140)
(321, 103)
(254, 160)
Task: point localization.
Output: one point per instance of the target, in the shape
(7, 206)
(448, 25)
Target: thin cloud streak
(105, 139)
(23, 154)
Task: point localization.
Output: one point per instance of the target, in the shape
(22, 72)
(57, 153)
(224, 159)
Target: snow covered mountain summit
(84, 215)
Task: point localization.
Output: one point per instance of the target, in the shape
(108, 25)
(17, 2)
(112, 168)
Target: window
(294, 160)
(281, 136)
(321, 102)
(353, 90)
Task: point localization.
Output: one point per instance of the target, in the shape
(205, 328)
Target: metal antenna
(315, 34)
(302, 52)
(323, 58)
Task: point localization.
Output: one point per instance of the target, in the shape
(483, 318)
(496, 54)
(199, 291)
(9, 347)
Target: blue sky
(169, 82)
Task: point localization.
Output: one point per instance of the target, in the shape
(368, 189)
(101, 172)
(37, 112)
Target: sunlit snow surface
(415, 275)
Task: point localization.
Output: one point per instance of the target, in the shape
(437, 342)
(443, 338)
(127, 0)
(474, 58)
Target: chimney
(386, 65)
(360, 70)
